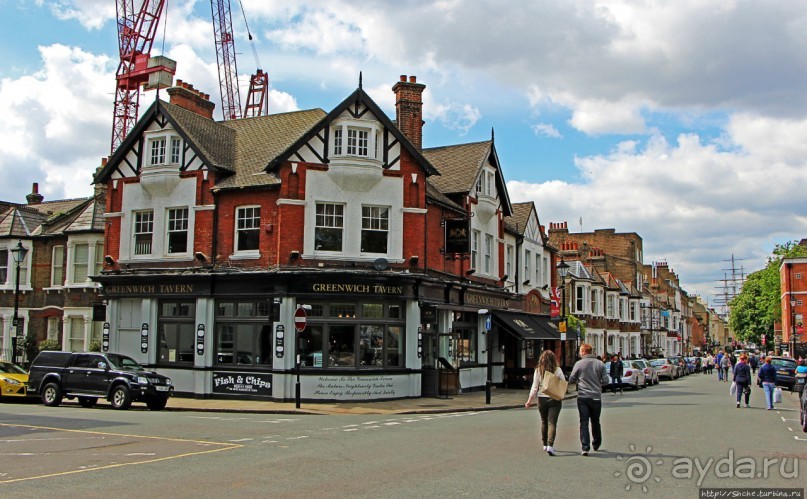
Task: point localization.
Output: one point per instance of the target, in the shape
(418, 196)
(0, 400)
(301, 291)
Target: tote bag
(553, 387)
(777, 395)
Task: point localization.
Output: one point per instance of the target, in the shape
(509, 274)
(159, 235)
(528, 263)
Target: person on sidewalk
(742, 378)
(767, 378)
(616, 370)
(718, 360)
(548, 407)
(590, 376)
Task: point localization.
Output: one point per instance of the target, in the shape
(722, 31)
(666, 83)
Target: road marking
(392, 423)
(297, 438)
(789, 428)
(374, 426)
(224, 446)
(351, 429)
(794, 436)
(241, 440)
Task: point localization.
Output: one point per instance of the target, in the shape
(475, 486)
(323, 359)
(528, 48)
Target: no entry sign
(299, 319)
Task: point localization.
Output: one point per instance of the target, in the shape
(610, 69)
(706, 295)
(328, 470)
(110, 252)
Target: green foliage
(572, 324)
(756, 308)
(49, 345)
(95, 346)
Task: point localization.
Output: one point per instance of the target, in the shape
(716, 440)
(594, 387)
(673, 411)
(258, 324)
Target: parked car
(632, 375)
(13, 380)
(650, 373)
(91, 376)
(692, 364)
(666, 368)
(785, 372)
(680, 365)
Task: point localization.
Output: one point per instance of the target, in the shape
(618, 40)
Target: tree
(757, 306)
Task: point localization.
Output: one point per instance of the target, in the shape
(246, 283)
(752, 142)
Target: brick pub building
(236, 249)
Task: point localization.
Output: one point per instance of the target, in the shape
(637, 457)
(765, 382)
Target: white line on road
(351, 429)
(297, 438)
(241, 440)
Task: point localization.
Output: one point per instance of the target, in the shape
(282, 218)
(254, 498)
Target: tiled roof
(216, 143)
(20, 221)
(521, 216)
(260, 140)
(459, 165)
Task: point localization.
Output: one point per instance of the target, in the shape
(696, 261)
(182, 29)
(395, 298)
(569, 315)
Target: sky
(684, 122)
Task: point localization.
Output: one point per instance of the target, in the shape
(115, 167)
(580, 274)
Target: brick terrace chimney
(184, 95)
(35, 197)
(409, 109)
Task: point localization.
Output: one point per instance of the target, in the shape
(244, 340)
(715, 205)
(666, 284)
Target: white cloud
(546, 130)
(691, 202)
(92, 14)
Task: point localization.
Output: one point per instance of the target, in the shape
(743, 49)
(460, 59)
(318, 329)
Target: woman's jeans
(769, 387)
(549, 409)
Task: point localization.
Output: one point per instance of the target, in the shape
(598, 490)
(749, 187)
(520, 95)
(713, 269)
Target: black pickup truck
(90, 376)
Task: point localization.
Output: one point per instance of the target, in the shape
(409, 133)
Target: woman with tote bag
(547, 406)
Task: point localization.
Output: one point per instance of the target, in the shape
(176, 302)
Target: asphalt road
(663, 441)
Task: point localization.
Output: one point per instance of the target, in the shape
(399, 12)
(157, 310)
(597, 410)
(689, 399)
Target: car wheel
(157, 404)
(121, 398)
(52, 395)
(87, 402)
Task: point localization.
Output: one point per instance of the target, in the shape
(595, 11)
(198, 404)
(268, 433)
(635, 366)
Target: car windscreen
(124, 363)
(11, 369)
(657, 362)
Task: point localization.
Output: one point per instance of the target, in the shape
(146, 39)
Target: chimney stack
(35, 197)
(184, 95)
(409, 109)
(100, 187)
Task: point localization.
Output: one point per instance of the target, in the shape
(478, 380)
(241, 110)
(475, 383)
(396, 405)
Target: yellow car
(13, 380)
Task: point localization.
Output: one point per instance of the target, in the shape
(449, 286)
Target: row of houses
(326, 246)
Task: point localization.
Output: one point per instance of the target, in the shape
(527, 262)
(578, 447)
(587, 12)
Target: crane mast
(136, 31)
(225, 55)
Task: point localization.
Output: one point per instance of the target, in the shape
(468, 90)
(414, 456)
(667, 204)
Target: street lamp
(793, 326)
(18, 253)
(563, 270)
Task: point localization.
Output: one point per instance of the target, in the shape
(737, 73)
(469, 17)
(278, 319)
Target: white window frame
(171, 229)
(175, 150)
(527, 269)
(352, 138)
(95, 260)
(57, 266)
(11, 272)
(475, 237)
(333, 220)
(139, 222)
(246, 213)
(376, 220)
(488, 254)
(509, 262)
(163, 147)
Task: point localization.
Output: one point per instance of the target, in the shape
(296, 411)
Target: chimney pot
(403, 77)
(413, 79)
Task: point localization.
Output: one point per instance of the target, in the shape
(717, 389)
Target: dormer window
(354, 138)
(164, 150)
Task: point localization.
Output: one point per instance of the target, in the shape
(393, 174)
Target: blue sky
(683, 121)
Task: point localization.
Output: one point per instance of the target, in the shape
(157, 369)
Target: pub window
(328, 227)
(247, 228)
(353, 336)
(243, 333)
(374, 229)
(178, 230)
(175, 324)
(143, 232)
(465, 325)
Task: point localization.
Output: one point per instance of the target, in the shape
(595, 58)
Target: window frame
(138, 223)
(244, 214)
(488, 254)
(185, 330)
(321, 218)
(377, 215)
(169, 231)
(57, 263)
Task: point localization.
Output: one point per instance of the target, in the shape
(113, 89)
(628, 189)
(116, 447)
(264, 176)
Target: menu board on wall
(231, 383)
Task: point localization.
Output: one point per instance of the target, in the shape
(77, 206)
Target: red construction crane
(228, 70)
(136, 30)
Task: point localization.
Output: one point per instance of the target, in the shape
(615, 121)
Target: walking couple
(590, 375)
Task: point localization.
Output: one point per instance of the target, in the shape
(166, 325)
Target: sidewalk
(475, 401)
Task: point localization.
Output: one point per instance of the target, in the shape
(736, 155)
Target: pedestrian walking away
(590, 376)
(754, 363)
(742, 378)
(767, 379)
(548, 407)
(718, 365)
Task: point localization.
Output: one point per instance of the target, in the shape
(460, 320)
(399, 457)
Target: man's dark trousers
(589, 410)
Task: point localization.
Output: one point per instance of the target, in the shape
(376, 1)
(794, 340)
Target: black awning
(523, 325)
(548, 325)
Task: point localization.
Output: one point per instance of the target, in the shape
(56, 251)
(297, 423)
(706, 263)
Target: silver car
(632, 375)
(650, 373)
(665, 368)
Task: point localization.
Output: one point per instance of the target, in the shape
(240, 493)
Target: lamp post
(18, 253)
(792, 327)
(563, 271)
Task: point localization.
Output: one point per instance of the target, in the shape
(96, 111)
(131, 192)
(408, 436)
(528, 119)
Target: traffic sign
(299, 319)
